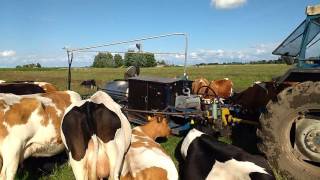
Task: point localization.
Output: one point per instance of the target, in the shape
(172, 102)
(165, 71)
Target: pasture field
(241, 75)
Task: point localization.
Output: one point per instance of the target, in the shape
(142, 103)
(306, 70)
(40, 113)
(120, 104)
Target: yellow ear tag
(149, 118)
(192, 121)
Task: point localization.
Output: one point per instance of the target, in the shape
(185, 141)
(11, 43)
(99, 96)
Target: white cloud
(7, 53)
(256, 52)
(47, 60)
(227, 4)
(179, 56)
(261, 51)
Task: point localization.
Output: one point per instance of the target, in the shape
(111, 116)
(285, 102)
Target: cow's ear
(149, 118)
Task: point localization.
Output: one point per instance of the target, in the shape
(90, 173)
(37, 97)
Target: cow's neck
(149, 130)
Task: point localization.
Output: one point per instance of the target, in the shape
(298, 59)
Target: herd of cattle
(38, 120)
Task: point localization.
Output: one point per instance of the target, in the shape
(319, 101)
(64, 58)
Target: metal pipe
(161, 112)
(185, 56)
(123, 52)
(129, 41)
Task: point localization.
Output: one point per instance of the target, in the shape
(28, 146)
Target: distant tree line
(32, 65)
(102, 60)
(279, 61)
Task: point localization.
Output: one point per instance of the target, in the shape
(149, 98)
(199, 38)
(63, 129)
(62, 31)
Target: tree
(118, 60)
(162, 62)
(129, 58)
(139, 59)
(150, 61)
(102, 60)
(32, 65)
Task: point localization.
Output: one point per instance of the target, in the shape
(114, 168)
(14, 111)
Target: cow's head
(159, 125)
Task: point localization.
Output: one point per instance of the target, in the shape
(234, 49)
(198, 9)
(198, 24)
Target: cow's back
(205, 157)
(146, 159)
(20, 88)
(30, 126)
(36, 118)
(222, 87)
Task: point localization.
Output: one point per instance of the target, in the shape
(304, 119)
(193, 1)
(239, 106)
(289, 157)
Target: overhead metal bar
(129, 52)
(71, 51)
(126, 42)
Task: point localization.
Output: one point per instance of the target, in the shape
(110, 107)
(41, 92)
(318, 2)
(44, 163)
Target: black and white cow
(207, 158)
(96, 134)
(91, 83)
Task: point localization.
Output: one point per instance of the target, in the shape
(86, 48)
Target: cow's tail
(92, 162)
(1, 163)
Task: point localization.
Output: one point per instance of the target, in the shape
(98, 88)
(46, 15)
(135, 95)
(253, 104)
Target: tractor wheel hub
(312, 140)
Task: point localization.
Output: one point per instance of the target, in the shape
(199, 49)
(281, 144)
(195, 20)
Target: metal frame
(304, 44)
(70, 51)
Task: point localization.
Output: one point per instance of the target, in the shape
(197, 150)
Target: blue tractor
(290, 128)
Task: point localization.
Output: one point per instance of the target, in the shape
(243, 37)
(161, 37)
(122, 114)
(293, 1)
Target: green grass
(241, 75)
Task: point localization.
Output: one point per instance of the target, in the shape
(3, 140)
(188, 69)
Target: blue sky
(219, 30)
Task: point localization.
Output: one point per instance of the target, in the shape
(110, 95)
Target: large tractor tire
(290, 132)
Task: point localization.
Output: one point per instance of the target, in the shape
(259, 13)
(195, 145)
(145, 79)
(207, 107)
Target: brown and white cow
(47, 87)
(146, 159)
(221, 88)
(30, 126)
(96, 134)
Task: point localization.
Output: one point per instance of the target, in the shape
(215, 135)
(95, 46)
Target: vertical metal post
(185, 56)
(70, 58)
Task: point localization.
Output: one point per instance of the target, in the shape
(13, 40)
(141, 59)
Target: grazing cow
(91, 83)
(30, 126)
(96, 134)
(217, 88)
(146, 159)
(207, 158)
